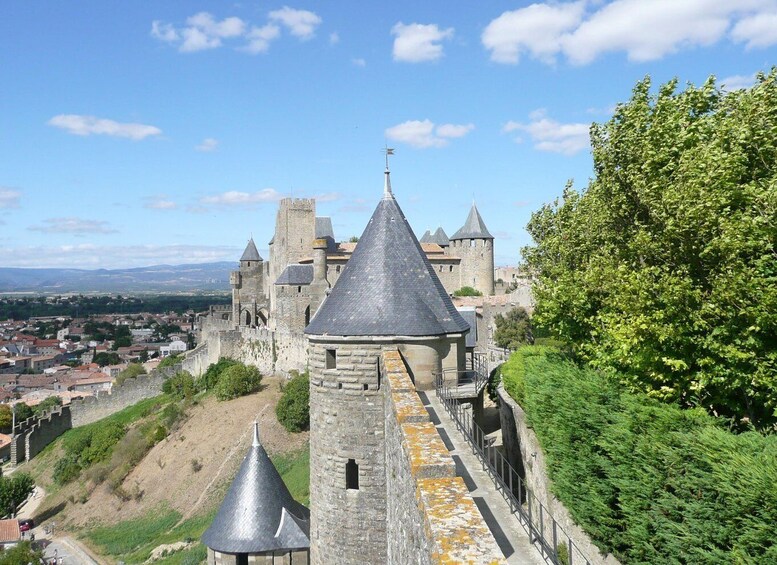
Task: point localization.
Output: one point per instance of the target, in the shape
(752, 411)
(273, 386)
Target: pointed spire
(474, 227)
(256, 434)
(251, 253)
(387, 194)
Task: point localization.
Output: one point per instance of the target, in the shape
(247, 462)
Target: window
(351, 475)
(299, 289)
(365, 386)
(472, 243)
(331, 358)
(337, 269)
(450, 269)
(379, 375)
(241, 559)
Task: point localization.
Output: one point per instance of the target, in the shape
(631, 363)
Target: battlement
(298, 203)
(433, 518)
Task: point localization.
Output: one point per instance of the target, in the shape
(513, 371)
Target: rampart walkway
(504, 525)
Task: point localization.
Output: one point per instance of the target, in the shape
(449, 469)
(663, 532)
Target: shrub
(514, 329)
(180, 385)
(13, 491)
(132, 371)
(467, 291)
(169, 361)
(211, 377)
(66, 469)
(238, 380)
(46, 405)
(23, 552)
(649, 482)
(293, 408)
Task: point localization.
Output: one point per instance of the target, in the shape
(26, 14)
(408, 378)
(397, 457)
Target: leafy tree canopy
(513, 329)
(467, 291)
(665, 267)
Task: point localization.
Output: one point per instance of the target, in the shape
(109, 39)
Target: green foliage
(169, 361)
(514, 329)
(132, 371)
(238, 380)
(104, 358)
(66, 469)
(294, 469)
(211, 377)
(20, 554)
(180, 385)
(13, 490)
(22, 411)
(293, 408)
(494, 379)
(46, 405)
(6, 418)
(664, 268)
(650, 482)
(467, 291)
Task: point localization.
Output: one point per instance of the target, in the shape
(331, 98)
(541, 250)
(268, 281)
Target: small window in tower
(249, 263)
(241, 559)
(331, 358)
(365, 386)
(352, 475)
(299, 289)
(337, 269)
(472, 243)
(450, 269)
(379, 375)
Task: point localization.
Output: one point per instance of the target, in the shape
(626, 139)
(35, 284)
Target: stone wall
(477, 263)
(47, 429)
(430, 514)
(525, 453)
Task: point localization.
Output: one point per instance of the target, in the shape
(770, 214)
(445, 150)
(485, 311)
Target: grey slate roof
(251, 253)
(469, 315)
(474, 227)
(324, 227)
(426, 238)
(296, 274)
(388, 286)
(440, 238)
(258, 514)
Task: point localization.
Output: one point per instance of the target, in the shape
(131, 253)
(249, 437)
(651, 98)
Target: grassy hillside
(131, 495)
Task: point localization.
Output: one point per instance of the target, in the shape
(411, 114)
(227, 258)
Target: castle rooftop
(258, 514)
(251, 253)
(474, 227)
(388, 287)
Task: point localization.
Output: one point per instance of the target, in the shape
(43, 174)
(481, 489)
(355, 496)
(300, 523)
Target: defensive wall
(431, 517)
(525, 454)
(269, 351)
(30, 436)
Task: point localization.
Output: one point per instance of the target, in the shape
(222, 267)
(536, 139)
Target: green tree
(238, 380)
(46, 405)
(22, 411)
(6, 418)
(180, 385)
(169, 361)
(212, 374)
(13, 491)
(132, 371)
(293, 408)
(104, 358)
(664, 268)
(22, 553)
(514, 329)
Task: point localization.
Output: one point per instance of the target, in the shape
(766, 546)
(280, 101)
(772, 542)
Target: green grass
(294, 468)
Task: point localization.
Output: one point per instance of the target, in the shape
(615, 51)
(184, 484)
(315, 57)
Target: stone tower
(248, 293)
(295, 230)
(475, 245)
(387, 295)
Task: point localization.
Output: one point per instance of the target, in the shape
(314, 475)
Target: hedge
(649, 482)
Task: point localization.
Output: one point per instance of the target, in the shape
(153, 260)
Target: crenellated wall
(431, 516)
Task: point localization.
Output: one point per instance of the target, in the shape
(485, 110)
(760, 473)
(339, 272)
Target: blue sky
(139, 133)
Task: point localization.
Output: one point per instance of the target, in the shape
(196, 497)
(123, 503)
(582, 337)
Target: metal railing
(553, 543)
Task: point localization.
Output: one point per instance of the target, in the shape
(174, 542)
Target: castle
(373, 323)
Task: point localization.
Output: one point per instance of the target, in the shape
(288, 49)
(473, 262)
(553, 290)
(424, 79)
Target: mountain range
(157, 278)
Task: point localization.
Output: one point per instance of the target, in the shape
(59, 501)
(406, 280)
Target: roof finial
(256, 434)
(387, 183)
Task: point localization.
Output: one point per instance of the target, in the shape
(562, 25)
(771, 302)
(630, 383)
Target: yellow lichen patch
(457, 531)
(426, 452)
(408, 407)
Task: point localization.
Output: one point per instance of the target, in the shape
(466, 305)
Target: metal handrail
(532, 514)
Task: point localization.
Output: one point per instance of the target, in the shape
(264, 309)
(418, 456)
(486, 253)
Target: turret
(320, 285)
(475, 245)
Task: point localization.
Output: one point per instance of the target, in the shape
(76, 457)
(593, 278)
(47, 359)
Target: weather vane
(387, 151)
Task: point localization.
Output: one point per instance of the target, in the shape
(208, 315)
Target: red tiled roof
(9, 531)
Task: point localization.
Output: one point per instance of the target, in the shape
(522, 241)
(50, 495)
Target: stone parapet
(432, 518)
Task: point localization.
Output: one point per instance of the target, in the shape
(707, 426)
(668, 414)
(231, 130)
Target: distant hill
(158, 278)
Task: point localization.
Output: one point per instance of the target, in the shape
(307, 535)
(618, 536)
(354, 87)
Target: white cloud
(415, 43)
(9, 198)
(88, 125)
(645, 30)
(228, 27)
(424, 134)
(164, 32)
(758, 30)
(208, 144)
(328, 197)
(359, 62)
(72, 225)
(550, 135)
(300, 23)
(237, 198)
(334, 38)
(736, 82)
(259, 38)
(536, 29)
(159, 203)
(89, 255)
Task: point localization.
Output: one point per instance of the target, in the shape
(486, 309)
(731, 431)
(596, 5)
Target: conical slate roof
(440, 238)
(251, 253)
(388, 286)
(258, 514)
(426, 238)
(474, 227)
